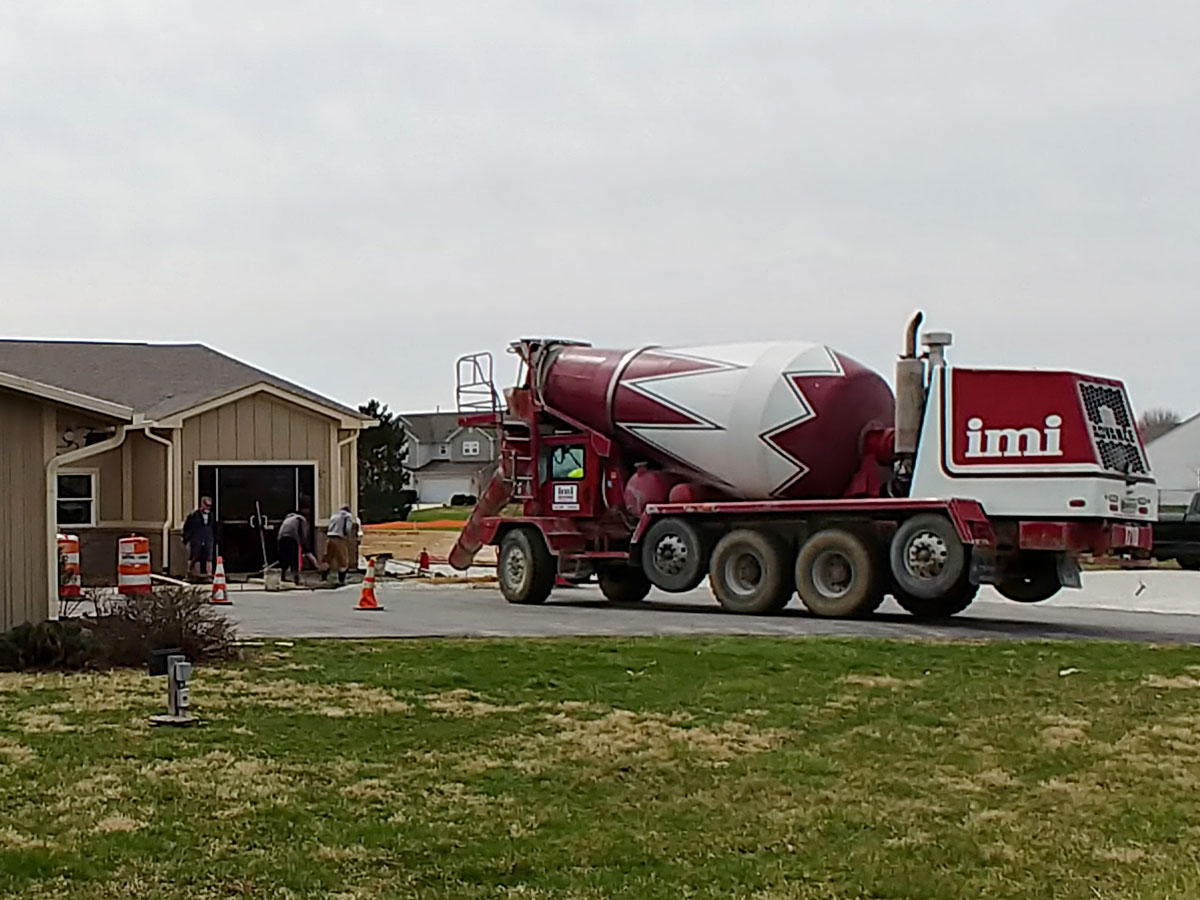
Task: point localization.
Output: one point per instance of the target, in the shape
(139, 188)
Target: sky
(352, 195)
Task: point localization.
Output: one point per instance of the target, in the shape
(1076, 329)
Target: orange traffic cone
(366, 599)
(220, 594)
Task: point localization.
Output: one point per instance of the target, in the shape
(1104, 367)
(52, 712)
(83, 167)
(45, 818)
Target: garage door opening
(239, 491)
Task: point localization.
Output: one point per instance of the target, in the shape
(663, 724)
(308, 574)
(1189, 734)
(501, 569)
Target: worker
(292, 543)
(200, 537)
(342, 528)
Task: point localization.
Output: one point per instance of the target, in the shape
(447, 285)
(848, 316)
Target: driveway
(1148, 606)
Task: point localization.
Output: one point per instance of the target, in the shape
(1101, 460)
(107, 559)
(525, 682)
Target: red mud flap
(1097, 538)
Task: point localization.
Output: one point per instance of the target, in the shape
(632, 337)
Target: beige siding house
(195, 423)
(29, 420)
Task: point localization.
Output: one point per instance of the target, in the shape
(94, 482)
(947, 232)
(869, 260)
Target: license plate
(1129, 505)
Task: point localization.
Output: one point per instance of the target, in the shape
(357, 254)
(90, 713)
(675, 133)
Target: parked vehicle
(789, 468)
(1177, 533)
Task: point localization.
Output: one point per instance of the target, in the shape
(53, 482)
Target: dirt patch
(1058, 736)
(225, 778)
(622, 735)
(1179, 682)
(14, 753)
(462, 703)
(1121, 854)
(117, 824)
(878, 681)
(11, 839)
(32, 722)
(231, 689)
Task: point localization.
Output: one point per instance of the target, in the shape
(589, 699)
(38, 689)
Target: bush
(47, 645)
(124, 631)
(464, 500)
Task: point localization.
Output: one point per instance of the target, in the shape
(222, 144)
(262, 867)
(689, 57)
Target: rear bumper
(1096, 538)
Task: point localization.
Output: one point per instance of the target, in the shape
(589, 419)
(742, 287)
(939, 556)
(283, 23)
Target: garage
(248, 496)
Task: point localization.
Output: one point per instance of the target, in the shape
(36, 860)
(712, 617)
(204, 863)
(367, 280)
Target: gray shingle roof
(431, 428)
(156, 380)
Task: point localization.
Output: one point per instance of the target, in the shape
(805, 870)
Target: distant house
(446, 459)
(125, 438)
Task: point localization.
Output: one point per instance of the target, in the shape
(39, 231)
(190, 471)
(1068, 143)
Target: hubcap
(743, 574)
(671, 555)
(832, 574)
(514, 570)
(926, 556)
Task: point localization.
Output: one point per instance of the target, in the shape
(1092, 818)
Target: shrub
(123, 631)
(464, 500)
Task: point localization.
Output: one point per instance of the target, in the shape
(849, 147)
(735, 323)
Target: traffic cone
(366, 600)
(220, 595)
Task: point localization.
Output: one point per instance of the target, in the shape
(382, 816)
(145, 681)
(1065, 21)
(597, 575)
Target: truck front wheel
(673, 555)
(526, 568)
(623, 584)
(751, 573)
(837, 576)
(928, 557)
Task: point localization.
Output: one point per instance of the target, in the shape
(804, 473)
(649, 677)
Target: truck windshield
(566, 463)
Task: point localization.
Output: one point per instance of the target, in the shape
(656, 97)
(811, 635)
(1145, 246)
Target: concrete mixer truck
(783, 469)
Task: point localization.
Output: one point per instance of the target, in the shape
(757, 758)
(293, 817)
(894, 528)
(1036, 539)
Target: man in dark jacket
(200, 536)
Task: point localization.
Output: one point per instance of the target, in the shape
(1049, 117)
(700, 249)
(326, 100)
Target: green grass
(436, 513)
(648, 768)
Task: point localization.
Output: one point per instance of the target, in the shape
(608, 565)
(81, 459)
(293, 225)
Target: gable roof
(156, 381)
(431, 428)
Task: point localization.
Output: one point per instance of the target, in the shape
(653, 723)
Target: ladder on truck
(476, 394)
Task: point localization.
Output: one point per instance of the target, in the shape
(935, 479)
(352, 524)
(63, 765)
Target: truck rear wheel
(673, 555)
(1191, 563)
(949, 604)
(623, 584)
(526, 568)
(1036, 581)
(751, 573)
(837, 575)
(927, 556)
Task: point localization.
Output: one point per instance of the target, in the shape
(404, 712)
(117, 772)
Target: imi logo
(996, 443)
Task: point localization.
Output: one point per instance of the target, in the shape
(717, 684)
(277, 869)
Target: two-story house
(446, 459)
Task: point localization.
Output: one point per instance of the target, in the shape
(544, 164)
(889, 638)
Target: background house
(196, 422)
(1175, 461)
(446, 459)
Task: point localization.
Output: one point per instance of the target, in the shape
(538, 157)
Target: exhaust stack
(910, 391)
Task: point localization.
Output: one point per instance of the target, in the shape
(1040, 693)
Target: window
(470, 448)
(77, 498)
(443, 449)
(566, 463)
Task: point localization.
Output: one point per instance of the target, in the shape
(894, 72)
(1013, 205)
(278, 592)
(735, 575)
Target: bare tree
(1154, 423)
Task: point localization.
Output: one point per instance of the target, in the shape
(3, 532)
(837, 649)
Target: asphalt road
(1150, 606)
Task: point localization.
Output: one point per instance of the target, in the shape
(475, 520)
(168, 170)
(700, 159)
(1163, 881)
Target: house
(130, 436)
(1175, 461)
(446, 459)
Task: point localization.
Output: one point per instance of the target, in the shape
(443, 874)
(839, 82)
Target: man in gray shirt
(291, 542)
(342, 528)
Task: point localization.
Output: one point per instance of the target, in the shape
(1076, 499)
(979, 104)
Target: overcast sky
(353, 194)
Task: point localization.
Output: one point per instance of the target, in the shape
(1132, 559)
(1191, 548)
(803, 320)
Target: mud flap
(983, 568)
(1069, 573)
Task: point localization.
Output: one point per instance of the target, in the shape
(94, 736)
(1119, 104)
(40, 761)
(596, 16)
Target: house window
(470, 448)
(443, 450)
(77, 498)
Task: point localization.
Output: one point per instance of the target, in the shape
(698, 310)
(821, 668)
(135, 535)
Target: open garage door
(236, 488)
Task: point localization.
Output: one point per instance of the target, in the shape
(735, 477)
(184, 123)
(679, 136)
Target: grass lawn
(441, 514)
(649, 768)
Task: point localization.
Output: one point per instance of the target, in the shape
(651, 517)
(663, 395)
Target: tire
(527, 570)
(837, 575)
(927, 557)
(1191, 563)
(674, 555)
(751, 573)
(1039, 581)
(623, 584)
(949, 604)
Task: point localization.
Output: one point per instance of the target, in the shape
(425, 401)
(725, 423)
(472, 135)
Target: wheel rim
(832, 574)
(926, 555)
(671, 555)
(515, 570)
(743, 574)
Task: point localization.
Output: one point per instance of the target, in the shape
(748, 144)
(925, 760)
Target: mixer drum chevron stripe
(757, 420)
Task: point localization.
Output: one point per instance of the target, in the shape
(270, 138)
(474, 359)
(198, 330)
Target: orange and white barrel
(69, 584)
(133, 565)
